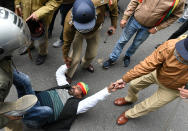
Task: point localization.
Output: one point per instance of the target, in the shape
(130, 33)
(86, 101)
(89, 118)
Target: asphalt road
(172, 117)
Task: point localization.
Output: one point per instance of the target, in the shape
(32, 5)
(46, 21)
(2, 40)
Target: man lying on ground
(58, 107)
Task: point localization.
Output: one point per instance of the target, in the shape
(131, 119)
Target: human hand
(152, 30)
(68, 62)
(111, 30)
(18, 11)
(33, 16)
(183, 92)
(119, 84)
(123, 23)
(111, 88)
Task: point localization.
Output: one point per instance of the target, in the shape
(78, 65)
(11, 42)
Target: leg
(140, 37)
(43, 47)
(76, 54)
(51, 26)
(185, 14)
(126, 35)
(160, 98)
(139, 84)
(5, 79)
(22, 84)
(43, 50)
(37, 116)
(91, 50)
(64, 9)
(182, 29)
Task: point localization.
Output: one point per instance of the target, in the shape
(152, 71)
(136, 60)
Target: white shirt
(87, 103)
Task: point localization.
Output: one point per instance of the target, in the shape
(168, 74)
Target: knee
(75, 61)
(20, 77)
(132, 84)
(91, 57)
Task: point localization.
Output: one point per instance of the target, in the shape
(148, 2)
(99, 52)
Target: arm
(149, 64)
(91, 101)
(48, 8)
(113, 8)
(68, 35)
(173, 17)
(60, 75)
(130, 9)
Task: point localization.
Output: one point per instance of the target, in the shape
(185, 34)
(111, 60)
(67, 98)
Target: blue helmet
(84, 15)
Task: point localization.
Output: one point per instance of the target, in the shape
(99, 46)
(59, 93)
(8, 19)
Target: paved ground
(172, 117)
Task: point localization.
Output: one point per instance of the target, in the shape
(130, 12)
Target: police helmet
(14, 32)
(84, 15)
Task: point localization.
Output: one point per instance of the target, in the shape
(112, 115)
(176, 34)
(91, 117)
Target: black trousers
(64, 9)
(9, 4)
(180, 31)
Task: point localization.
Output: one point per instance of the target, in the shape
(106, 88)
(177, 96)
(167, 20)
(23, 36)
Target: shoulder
(168, 46)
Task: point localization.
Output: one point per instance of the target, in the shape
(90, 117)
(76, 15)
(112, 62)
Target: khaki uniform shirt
(170, 72)
(6, 78)
(149, 12)
(69, 30)
(43, 9)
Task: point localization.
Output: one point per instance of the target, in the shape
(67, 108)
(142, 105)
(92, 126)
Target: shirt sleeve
(114, 13)
(149, 64)
(91, 101)
(48, 8)
(130, 9)
(68, 35)
(60, 75)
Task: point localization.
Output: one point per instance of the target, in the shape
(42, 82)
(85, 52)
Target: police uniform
(72, 36)
(44, 10)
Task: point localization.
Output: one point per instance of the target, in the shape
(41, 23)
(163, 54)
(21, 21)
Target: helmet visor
(84, 27)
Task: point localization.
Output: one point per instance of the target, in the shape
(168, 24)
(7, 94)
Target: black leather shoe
(126, 61)
(40, 59)
(90, 68)
(25, 50)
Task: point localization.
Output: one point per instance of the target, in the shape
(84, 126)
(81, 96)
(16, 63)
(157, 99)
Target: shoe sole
(109, 66)
(20, 105)
(56, 46)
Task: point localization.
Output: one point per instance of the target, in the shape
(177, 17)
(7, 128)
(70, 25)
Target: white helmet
(14, 32)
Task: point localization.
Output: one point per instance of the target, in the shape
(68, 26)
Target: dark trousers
(9, 4)
(64, 9)
(180, 31)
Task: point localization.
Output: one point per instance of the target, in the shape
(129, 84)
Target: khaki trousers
(15, 125)
(160, 98)
(90, 54)
(42, 43)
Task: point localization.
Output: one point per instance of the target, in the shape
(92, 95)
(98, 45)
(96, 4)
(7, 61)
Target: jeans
(131, 27)
(38, 115)
(64, 9)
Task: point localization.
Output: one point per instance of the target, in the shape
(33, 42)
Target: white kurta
(87, 103)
